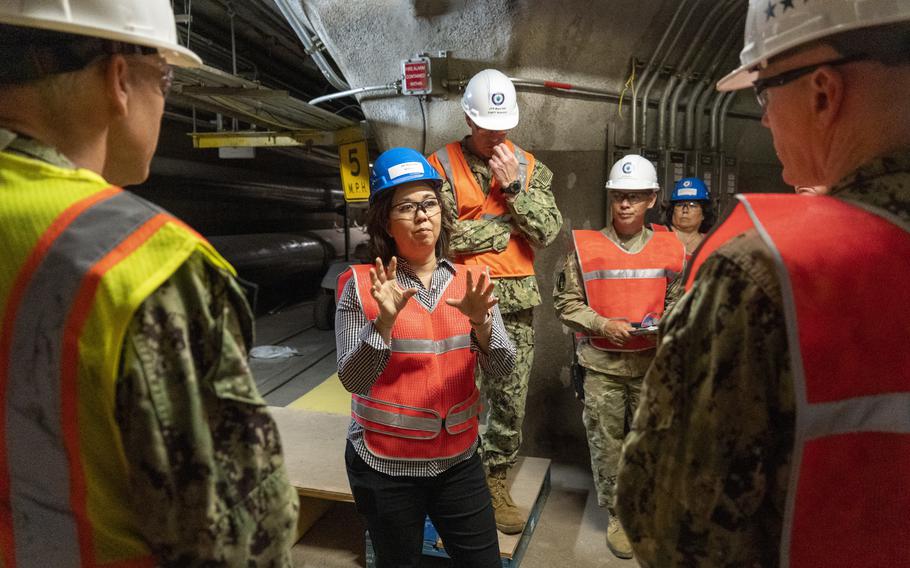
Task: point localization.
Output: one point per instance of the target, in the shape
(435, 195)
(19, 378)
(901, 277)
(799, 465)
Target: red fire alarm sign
(416, 73)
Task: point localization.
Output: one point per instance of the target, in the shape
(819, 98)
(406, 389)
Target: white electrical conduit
(351, 92)
(293, 12)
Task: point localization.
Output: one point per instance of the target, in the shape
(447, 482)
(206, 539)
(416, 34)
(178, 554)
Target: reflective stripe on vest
(40, 390)
(85, 299)
(849, 485)
(622, 285)
(630, 274)
(430, 348)
(471, 203)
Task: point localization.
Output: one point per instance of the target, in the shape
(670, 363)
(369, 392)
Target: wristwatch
(513, 188)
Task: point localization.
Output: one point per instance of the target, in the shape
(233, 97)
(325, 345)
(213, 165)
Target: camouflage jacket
(535, 218)
(704, 473)
(572, 309)
(208, 475)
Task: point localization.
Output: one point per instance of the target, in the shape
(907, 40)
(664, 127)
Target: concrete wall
(583, 42)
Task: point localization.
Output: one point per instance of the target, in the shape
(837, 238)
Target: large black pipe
(273, 258)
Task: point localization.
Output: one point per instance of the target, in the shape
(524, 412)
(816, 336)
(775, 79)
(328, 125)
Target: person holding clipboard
(612, 290)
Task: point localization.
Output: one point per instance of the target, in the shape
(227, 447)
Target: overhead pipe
(724, 111)
(649, 68)
(567, 88)
(296, 16)
(647, 92)
(662, 109)
(393, 86)
(694, 69)
(693, 120)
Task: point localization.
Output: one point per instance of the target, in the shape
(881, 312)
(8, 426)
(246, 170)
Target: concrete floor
(570, 531)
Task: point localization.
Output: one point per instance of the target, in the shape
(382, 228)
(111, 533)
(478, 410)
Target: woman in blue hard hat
(690, 215)
(410, 329)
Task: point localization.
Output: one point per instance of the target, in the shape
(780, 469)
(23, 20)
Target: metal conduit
(662, 110)
(693, 70)
(693, 121)
(715, 116)
(351, 92)
(649, 68)
(724, 110)
(647, 92)
(294, 13)
(568, 88)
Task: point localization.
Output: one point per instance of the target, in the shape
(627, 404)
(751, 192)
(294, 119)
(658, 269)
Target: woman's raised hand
(390, 297)
(477, 300)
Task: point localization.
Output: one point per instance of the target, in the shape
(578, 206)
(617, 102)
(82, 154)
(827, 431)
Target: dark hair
(30, 54)
(381, 243)
(707, 209)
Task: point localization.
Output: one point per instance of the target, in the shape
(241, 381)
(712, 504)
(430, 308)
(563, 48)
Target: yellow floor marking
(330, 397)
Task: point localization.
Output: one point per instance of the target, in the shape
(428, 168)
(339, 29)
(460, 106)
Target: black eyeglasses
(408, 209)
(761, 86)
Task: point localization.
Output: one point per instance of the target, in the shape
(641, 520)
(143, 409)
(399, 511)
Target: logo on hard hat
(687, 183)
(498, 98)
(627, 168)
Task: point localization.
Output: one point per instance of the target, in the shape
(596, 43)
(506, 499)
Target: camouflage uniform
(612, 379)
(704, 473)
(536, 219)
(207, 471)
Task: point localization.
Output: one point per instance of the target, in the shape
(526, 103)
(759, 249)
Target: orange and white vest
(846, 307)
(518, 258)
(78, 258)
(622, 285)
(424, 405)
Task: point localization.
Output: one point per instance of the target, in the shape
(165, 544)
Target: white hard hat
(148, 23)
(490, 101)
(775, 27)
(633, 173)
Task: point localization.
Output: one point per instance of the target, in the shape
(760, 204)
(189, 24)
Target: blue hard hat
(401, 165)
(690, 189)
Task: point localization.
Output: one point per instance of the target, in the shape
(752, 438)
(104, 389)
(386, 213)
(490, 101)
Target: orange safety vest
(622, 285)
(846, 313)
(518, 257)
(424, 405)
(78, 258)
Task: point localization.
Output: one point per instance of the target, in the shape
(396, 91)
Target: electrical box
(425, 75)
(704, 169)
(728, 180)
(675, 171)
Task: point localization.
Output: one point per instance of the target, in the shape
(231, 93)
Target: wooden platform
(314, 455)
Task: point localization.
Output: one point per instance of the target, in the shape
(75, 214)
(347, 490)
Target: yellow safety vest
(78, 257)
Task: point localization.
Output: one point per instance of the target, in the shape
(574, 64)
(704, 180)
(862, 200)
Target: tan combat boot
(509, 519)
(617, 541)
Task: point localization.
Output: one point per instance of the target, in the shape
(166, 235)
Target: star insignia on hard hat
(786, 4)
(498, 98)
(769, 13)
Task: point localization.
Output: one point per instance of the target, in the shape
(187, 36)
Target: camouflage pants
(506, 396)
(610, 403)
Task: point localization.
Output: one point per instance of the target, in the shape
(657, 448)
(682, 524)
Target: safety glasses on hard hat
(761, 86)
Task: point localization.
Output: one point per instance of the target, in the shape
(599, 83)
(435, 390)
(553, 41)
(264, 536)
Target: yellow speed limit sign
(355, 171)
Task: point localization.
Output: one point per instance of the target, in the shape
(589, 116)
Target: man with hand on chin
(504, 209)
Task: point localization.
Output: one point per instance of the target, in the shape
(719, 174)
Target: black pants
(457, 501)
